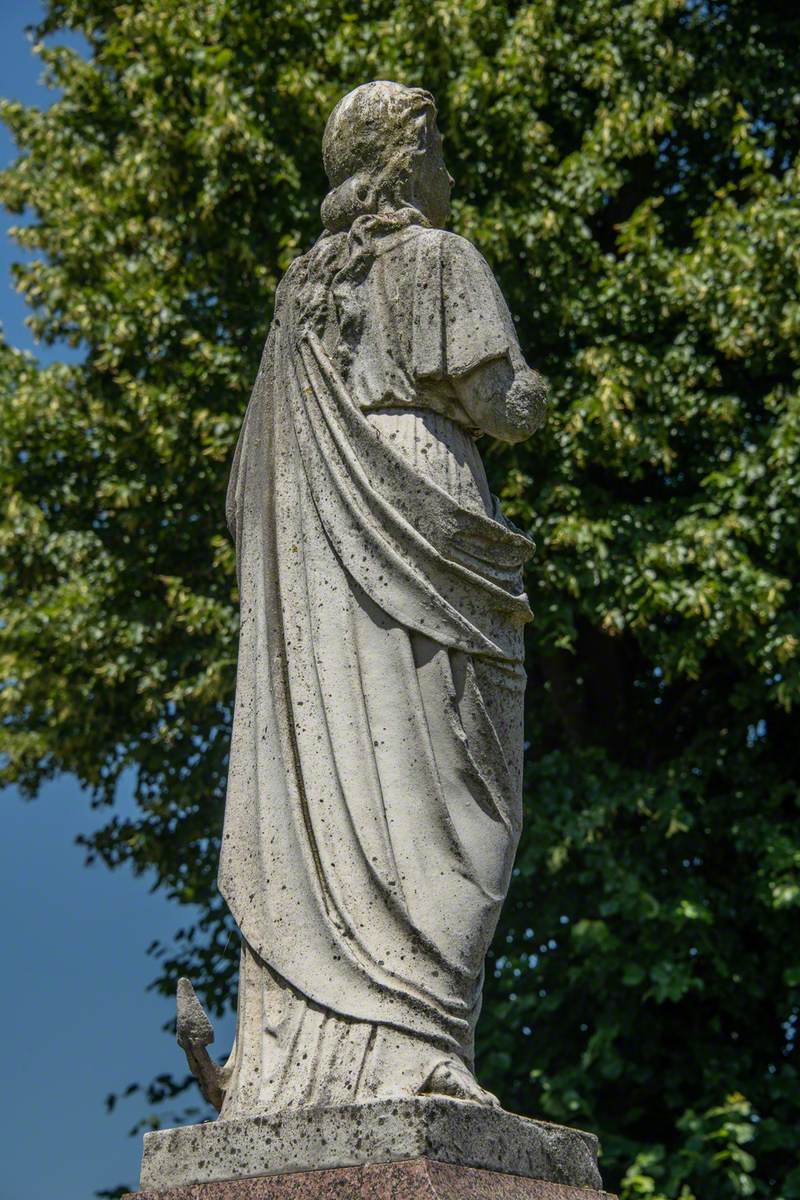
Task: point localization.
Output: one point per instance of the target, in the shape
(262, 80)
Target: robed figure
(374, 794)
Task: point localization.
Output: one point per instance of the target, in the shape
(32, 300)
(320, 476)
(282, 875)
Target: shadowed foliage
(631, 172)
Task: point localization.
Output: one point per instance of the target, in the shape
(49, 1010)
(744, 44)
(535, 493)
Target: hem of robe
(291, 1053)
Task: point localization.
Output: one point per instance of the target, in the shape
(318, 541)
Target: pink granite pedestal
(411, 1179)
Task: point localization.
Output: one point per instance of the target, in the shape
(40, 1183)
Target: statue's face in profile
(433, 183)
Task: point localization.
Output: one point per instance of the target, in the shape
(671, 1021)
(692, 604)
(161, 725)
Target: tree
(631, 171)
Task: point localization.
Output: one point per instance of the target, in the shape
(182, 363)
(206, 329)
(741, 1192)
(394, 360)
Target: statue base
(414, 1179)
(343, 1147)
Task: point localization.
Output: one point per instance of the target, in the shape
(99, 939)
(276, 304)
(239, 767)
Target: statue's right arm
(468, 337)
(506, 400)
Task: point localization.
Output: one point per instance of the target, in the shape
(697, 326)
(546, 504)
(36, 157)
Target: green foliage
(631, 171)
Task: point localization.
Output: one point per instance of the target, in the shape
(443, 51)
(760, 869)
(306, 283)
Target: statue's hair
(371, 141)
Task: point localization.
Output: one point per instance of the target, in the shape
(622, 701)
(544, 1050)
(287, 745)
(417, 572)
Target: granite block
(416, 1179)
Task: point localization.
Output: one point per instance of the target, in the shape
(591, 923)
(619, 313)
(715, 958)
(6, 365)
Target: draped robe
(373, 805)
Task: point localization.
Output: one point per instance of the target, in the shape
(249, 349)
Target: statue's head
(382, 152)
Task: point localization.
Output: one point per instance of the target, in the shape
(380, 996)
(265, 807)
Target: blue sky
(76, 1019)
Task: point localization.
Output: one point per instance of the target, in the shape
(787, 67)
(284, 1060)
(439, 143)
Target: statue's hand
(505, 401)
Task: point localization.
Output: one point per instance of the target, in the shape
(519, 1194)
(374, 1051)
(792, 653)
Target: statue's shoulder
(443, 240)
(300, 272)
(296, 271)
(453, 250)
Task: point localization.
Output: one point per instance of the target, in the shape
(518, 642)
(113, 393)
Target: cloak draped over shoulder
(373, 805)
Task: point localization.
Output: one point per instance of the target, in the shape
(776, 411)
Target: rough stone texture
(416, 1179)
(309, 1139)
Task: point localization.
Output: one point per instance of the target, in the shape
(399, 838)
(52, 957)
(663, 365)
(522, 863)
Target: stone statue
(374, 790)
(374, 795)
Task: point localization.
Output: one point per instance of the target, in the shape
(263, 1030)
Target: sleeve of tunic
(460, 319)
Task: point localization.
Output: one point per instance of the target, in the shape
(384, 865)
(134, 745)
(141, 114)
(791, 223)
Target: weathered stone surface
(451, 1131)
(415, 1179)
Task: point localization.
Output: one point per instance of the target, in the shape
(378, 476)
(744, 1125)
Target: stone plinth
(315, 1139)
(418, 1179)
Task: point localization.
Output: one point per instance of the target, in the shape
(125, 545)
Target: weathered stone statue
(373, 804)
(374, 795)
